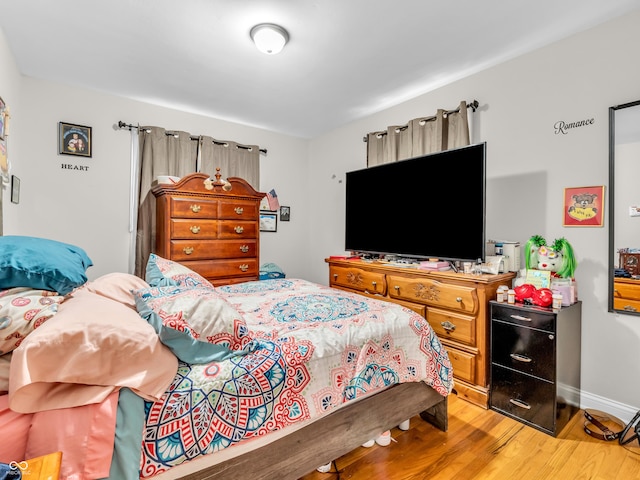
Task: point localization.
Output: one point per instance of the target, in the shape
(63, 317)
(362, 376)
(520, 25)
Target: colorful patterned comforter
(314, 348)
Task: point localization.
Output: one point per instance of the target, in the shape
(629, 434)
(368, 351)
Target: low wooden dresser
(626, 294)
(455, 304)
(535, 364)
(210, 226)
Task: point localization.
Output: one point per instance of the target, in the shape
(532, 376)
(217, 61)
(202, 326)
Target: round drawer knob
(188, 250)
(195, 208)
(195, 229)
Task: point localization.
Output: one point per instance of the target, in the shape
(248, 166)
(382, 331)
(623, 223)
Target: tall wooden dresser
(455, 304)
(210, 226)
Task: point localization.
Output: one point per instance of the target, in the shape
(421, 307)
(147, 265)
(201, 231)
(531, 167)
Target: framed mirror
(624, 208)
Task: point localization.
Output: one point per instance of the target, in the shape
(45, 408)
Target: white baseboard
(617, 409)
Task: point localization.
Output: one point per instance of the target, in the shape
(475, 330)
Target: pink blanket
(85, 436)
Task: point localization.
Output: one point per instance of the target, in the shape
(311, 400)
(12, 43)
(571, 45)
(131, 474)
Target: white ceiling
(346, 58)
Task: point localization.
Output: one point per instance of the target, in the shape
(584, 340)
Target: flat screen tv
(431, 206)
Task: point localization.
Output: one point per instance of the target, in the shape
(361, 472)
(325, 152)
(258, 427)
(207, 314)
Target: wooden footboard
(317, 444)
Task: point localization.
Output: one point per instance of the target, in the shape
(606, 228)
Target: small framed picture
(285, 213)
(3, 119)
(74, 139)
(15, 189)
(584, 206)
(268, 221)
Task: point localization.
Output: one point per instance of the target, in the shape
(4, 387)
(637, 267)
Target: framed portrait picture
(268, 221)
(584, 206)
(4, 161)
(285, 213)
(74, 139)
(15, 189)
(3, 119)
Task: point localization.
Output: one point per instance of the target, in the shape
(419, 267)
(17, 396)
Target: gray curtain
(428, 134)
(399, 142)
(421, 136)
(376, 148)
(457, 127)
(164, 152)
(233, 159)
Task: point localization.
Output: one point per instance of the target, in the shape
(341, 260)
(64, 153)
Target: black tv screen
(431, 206)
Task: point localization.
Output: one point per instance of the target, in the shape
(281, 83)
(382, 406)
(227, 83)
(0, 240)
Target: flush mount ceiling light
(269, 38)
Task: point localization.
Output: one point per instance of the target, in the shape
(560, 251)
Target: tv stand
(455, 304)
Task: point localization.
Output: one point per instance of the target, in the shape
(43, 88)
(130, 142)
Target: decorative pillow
(118, 287)
(161, 272)
(43, 264)
(92, 347)
(197, 324)
(21, 311)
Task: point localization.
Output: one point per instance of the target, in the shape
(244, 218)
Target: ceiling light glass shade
(269, 38)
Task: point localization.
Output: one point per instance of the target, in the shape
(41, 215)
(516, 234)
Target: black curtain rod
(472, 105)
(129, 126)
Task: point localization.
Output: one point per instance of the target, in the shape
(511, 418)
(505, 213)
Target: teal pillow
(197, 324)
(41, 264)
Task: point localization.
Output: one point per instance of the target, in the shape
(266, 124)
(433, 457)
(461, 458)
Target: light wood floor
(483, 444)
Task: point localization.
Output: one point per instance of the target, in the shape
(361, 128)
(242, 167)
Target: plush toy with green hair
(557, 258)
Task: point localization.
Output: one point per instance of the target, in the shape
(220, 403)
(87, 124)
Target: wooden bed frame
(301, 452)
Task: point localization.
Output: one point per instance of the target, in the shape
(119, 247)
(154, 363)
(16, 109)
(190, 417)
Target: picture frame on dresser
(268, 221)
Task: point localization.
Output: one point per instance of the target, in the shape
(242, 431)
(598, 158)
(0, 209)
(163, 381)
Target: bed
(169, 377)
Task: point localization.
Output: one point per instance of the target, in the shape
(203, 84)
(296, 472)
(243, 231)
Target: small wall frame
(74, 140)
(15, 189)
(268, 221)
(584, 206)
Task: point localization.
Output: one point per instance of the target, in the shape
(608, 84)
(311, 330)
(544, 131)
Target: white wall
(529, 165)
(528, 168)
(91, 208)
(10, 82)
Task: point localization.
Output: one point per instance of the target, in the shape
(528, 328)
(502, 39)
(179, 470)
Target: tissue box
(568, 293)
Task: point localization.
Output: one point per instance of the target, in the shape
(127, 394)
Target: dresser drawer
(523, 349)
(181, 250)
(626, 290)
(523, 396)
(432, 292)
(237, 229)
(358, 279)
(224, 268)
(453, 326)
(245, 248)
(626, 304)
(197, 229)
(463, 364)
(527, 317)
(186, 207)
(240, 210)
